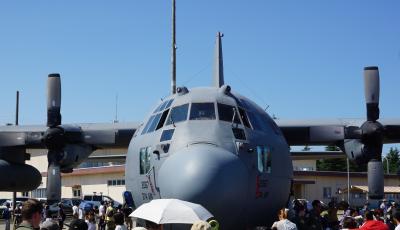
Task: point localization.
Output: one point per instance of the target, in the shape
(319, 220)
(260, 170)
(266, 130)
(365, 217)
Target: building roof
(337, 174)
(91, 171)
(303, 181)
(364, 188)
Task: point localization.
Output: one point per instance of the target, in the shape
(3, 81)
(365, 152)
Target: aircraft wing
(97, 135)
(74, 142)
(333, 131)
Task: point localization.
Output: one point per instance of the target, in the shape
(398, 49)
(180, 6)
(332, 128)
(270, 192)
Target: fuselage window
(146, 127)
(228, 113)
(202, 111)
(177, 114)
(167, 135)
(162, 119)
(144, 160)
(264, 159)
(244, 118)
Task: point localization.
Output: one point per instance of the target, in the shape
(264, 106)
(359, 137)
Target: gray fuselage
(213, 147)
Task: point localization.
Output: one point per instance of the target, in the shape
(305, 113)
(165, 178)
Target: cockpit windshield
(177, 114)
(202, 111)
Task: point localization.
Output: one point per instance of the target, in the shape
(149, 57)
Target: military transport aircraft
(208, 145)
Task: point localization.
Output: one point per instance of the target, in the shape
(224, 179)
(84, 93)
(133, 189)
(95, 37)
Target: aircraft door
(264, 170)
(149, 189)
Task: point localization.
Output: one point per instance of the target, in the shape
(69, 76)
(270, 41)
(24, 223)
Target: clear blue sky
(302, 58)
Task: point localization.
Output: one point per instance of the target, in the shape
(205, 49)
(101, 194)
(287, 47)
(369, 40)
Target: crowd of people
(304, 216)
(32, 214)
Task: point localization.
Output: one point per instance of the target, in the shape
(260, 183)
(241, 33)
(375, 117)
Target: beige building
(327, 185)
(94, 176)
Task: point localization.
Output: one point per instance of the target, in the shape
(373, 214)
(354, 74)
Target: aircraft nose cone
(208, 175)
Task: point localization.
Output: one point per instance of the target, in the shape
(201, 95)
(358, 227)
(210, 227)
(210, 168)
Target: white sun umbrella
(171, 211)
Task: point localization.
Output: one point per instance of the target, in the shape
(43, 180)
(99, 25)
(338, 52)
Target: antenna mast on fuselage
(173, 58)
(219, 63)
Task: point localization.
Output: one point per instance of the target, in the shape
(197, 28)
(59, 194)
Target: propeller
(54, 138)
(364, 144)
(67, 146)
(373, 133)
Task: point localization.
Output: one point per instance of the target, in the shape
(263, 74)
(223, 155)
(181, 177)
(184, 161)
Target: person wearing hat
(31, 215)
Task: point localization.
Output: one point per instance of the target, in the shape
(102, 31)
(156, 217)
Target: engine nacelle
(74, 155)
(354, 150)
(18, 177)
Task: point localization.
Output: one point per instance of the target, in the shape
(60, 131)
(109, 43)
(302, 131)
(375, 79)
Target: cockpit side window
(164, 105)
(169, 104)
(158, 109)
(148, 124)
(228, 113)
(244, 117)
(263, 122)
(177, 114)
(162, 119)
(202, 111)
(154, 123)
(255, 121)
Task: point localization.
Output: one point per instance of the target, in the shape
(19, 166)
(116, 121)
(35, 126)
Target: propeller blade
(53, 100)
(53, 192)
(371, 90)
(392, 132)
(375, 179)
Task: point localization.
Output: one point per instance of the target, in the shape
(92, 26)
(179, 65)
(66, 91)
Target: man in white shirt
(102, 216)
(75, 211)
(102, 209)
(81, 214)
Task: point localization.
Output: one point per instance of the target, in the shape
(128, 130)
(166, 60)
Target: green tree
(338, 164)
(332, 148)
(392, 157)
